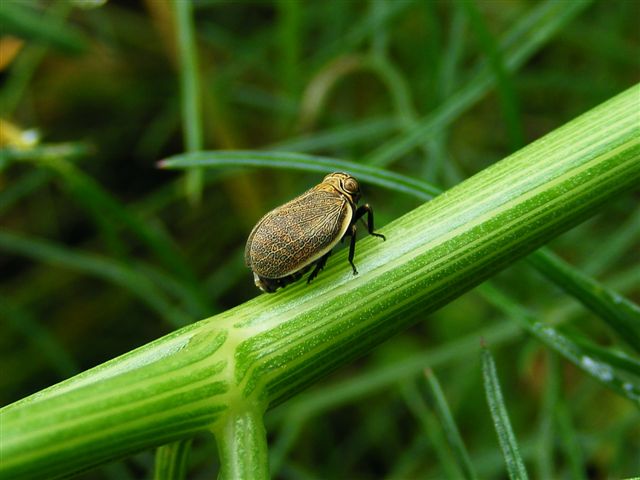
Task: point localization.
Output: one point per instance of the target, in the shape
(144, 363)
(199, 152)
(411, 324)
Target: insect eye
(351, 185)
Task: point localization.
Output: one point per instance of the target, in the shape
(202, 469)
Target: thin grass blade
(190, 93)
(97, 266)
(620, 313)
(614, 369)
(19, 19)
(443, 412)
(506, 437)
(303, 162)
(171, 460)
(432, 429)
(544, 21)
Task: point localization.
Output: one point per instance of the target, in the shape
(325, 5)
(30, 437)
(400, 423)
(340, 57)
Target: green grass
(102, 252)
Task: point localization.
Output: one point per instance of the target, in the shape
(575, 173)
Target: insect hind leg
(352, 247)
(319, 266)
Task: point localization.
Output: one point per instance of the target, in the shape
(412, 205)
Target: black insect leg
(319, 266)
(360, 213)
(352, 246)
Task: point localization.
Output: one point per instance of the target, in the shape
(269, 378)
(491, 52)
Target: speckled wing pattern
(297, 233)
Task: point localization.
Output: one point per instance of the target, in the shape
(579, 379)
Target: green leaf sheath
(260, 353)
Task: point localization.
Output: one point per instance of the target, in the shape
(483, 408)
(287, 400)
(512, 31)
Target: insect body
(292, 238)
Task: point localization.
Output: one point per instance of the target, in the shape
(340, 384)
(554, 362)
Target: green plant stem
(600, 299)
(242, 445)
(272, 347)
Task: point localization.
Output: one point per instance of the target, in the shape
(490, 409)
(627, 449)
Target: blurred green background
(101, 252)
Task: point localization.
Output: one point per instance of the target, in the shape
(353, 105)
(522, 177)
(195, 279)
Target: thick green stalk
(264, 351)
(242, 445)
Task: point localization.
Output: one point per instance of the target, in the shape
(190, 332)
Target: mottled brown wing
(297, 233)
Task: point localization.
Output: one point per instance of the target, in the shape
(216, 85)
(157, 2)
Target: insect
(300, 234)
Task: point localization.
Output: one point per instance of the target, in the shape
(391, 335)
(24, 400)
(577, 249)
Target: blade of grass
(612, 357)
(21, 20)
(625, 238)
(357, 34)
(171, 461)
(97, 266)
(192, 125)
(620, 313)
(545, 441)
(102, 206)
(298, 161)
(587, 358)
(289, 39)
(190, 92)
(452, 55)
(27, 62)
(286, 438)
(527, 36)
(440, 166)
(506, 437)
(504, 84)
(569, 441)
(21, 321)
(431, 428)
(449, 426)
(23, 187)
(406, 464)
(68, 151)
(341, 136)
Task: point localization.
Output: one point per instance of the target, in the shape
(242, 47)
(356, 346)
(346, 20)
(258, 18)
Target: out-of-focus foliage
(101, 252)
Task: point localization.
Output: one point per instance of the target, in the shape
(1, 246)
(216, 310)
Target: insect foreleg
(370, 228)
(319, 266)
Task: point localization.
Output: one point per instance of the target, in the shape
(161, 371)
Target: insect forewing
(298, 233)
